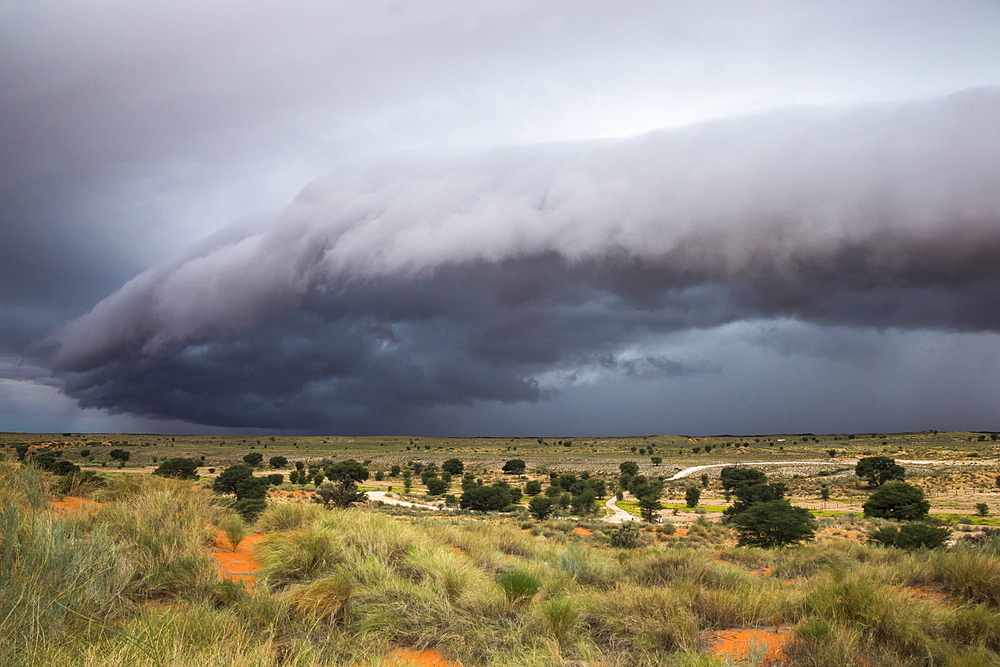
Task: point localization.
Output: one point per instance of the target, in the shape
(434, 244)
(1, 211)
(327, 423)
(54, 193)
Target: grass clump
(519, 586)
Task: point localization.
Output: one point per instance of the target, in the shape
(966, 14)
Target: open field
(140, 572)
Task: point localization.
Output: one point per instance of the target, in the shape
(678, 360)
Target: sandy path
(618, 515)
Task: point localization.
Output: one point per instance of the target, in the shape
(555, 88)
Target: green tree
(514, 467)
(122, 455)
(704, 480)
(774, 523)
(878, 470)
(180, 468)
(253, 458)
(343, 490)
(733, 477)
(628, 468)
(278, 461)
(751, 494)
(899, 502)
(533, 488)
(656, 460)
(453, 466)
(649, 501)
(692, 495)
(541, 507)
(436, 486)
(982, 509)
(485, 499)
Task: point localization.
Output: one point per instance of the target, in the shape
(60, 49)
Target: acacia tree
(345, 476)
(692, 495)
(180, 468)
(774, 523)
(900, 502)
(514, 467)
(878, 470)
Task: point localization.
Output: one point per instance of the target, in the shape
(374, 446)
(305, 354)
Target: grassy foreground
(132, 584)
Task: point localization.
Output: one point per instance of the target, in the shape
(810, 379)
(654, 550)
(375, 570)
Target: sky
(499, 218)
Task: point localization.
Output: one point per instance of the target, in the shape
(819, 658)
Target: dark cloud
(420, 285)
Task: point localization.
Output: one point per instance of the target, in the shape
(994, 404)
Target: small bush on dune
(296, 557)
(235, 529)
(288, 516)
(519, 586)
(325, 600)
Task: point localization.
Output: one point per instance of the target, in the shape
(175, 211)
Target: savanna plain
(798, 549)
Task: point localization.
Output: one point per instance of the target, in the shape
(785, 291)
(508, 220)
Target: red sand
(68, 504)
(740, 644)
(579, 530)
(239, 565)
(409, 657)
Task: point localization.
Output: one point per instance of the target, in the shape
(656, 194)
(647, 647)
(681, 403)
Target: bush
(774, 523)
(910, 535)
(453, 466)
(514, 467)
(179, 468)
(899, 502)
(627, 536)
(541, 507)
(533, 488)
(250, 508)
(519, 586)
(278, 461)
(692, 495)
(485, 499)
(253, 458)
(436, 486)
(628, 468)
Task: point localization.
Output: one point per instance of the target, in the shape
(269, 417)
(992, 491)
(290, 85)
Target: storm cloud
(420, 284)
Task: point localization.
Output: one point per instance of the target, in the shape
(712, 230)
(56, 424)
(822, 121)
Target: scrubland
(131, 581)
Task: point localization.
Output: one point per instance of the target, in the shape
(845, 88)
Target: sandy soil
(744, 646)
(408, 657)
(238, 565)
(68, 504)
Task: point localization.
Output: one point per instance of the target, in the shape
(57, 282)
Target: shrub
(533, 488)
(250, 508)
(519, 586)
(278, 461)
(899, 502)
(982, 509)
(910, 535)
(485, 499)
(235, 529)
(628, 468)
(436, 486)
(276, 479)
(626, 537)
(453, 466)
(541, 507)
(774, 523)
(692, 495)
(514, 467)
(253, 458)
(179, 468)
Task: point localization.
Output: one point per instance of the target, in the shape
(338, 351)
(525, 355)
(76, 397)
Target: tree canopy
(899, 501)
(878, 470)
(180, 468)
(774, 523)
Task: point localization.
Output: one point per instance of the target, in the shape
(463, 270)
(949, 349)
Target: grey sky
(352, 216)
